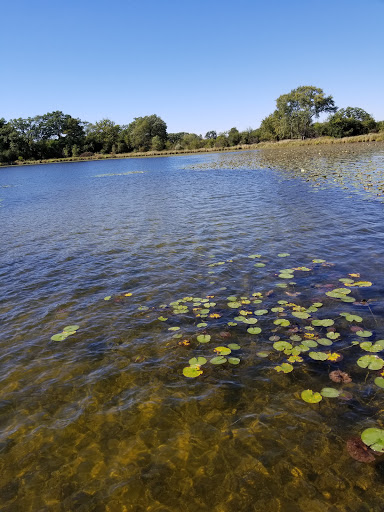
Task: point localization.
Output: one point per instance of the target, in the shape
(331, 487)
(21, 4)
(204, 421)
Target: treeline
(59, 135)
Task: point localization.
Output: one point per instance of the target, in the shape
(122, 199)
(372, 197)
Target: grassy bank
(370, 137)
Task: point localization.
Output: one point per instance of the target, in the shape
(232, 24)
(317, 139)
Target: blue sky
(201, 65)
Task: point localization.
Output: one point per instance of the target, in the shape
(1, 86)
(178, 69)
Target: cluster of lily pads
(296, 332)
(67, 331)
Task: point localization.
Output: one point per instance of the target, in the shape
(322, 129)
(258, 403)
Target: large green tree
(297, 110)
(350, 121)
(142, 131)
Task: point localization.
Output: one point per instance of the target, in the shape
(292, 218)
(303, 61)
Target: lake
(138, 267)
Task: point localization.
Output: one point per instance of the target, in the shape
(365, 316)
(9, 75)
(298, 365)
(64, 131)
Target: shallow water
(105, 420)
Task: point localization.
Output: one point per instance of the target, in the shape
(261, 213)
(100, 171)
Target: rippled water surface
(105, 419)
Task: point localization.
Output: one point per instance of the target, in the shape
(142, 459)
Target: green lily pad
(254, 330)
(282, 285)
(234, 305)
(324, 341)
(295, 337)
(222, 351)
(364, 334)
(330, 392)
(60, 337)
(346, 280)
(351, 318)
(234, 346)
(369, 347)
(71, 328)
(284, 367)
(192, 371)
(309, 343)
(326, 322)
(174, 329)
(250, 321)
(233, 360)
(203, 338)
(310, 397)
(283, 254)
(277, 310)
(374, 438)
(232, 324)
(241, 319)
(259, 265)
(202, 324)
(317, 260)
(318, 356)
(232, 298)
(282, 345)
(333, 335)
(253, 256)
(379, 381)
(199, 361)
(317, 304)
(370, 362)
(218, 360)
(261, 312)
(162, 318)
(282, 321)
(282, 302)
(300, 314)
(286, 276)
(262, 353)
(108, 297)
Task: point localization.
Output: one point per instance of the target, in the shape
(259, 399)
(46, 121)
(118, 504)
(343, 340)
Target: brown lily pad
(359, 451)
(339, 376)
(225, 334)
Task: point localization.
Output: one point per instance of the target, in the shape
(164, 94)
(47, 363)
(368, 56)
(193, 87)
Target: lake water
(104, 419)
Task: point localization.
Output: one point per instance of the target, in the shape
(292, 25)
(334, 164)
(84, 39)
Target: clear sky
(200, 65)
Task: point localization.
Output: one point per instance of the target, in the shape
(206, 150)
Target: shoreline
(370, 137)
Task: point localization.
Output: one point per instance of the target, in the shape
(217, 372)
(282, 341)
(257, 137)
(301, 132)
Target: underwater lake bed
(199, 333)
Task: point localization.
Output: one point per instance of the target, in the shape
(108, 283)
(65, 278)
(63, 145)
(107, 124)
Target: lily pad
(333, 335)
(218, 360)
(174, 329)
(300, 314)
(261, 312)
(326, 322)
(259, 265)
(234, 305)
(192, 371)
(364, 334)
(71, 328)
(283, 254)
(262, 353)
(60, 337)
(234, 346)
(282, 345)
(309, 343)
(199, 361)
(330, 392)
(324, 341)
(370, 362)
(282, 321)
(284, 367)
(369, 347)
(162, 318)
(277, 310)
(202, 324)
(250, 321)
(374, 438)
(108, 297)
(310, 397)
(318, 356)
(254, 330)
(233, 360)
(203, 338)
(222, 351)
(379, 381)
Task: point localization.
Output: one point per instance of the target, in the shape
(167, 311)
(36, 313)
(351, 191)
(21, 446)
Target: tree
(297, 109)
(233, 136)
(211, 135)
(102, 136)
(350, 121)
(142, 130)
